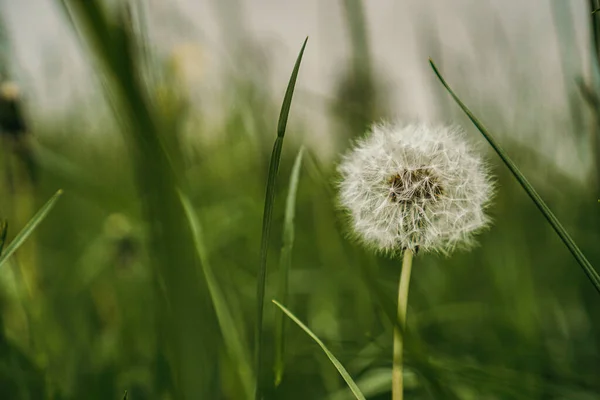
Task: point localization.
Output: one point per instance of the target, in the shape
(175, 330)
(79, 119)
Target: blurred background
(127, 104)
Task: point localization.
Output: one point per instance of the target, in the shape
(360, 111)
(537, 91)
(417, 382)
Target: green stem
(399, 329)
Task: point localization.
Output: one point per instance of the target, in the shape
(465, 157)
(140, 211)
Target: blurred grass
(3, 233)
(231, 336)
(26, 231)
(285, 264)
(123, 304)
(531, 192)
(185, 312)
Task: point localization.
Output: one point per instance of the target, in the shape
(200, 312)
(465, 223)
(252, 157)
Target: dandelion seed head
(415, 187)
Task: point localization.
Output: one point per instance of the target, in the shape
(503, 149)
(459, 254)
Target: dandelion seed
(415, 187)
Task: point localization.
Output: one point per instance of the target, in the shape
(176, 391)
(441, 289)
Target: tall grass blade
(570, 61)
(285, 263)
(233, 338)
(351, 384)
(185, 315)
(541, 205)
(267, 215)
(125, 395)
(357, 96)
(357, 25)
(29, 228)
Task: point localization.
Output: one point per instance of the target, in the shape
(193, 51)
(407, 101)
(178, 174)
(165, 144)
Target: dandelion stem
(399, 329)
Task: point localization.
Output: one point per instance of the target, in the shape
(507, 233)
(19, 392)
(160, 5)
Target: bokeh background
(126, 104)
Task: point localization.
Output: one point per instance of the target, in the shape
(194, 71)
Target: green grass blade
(267, 215)
(3, 233)
(285, 264)
(357, 25)
(289, 93)
(351, 384)
(185, 316)
(233, 338)
(29, 228)
(541, 205)
(125, 395)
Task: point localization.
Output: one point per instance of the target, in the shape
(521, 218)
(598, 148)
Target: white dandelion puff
(417, 187)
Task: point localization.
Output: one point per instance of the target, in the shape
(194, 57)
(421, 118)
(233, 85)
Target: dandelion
(410, 188)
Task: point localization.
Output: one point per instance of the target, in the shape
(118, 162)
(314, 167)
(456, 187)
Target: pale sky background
(486, 41)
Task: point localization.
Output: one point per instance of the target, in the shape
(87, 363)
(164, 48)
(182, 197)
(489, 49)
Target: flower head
(417, 187)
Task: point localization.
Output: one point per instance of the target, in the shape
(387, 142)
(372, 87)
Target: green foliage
(27, 230)
(232, 337)
(535, 197)
(285, 264)
(267, 217)
(351, 384)
(147, 269)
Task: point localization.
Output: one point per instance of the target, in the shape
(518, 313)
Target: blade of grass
(570, 60)
(285, 264)
(541, 205)
(267, 215)
(351, 384)
(357, 103)
(357, 25)
(29, 228)
(3, 233)
(185, 315)
(125, 395)
(233, 338)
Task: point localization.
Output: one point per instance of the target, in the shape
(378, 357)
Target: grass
(27, 229)
(267, 216)
(285, 265)
(147, 267)
(232, 337)
(531, 192)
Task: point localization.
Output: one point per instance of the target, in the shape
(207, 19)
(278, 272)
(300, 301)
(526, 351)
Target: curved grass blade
(285, 263)
(541, 205)
(351, 384)
(29, 228)
(233, 338)
(3, 233)
(267, 215)
(125, 395)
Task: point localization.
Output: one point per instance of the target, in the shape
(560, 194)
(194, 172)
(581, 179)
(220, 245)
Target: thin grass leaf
(541, 205)
(29, 228)
(267, 215)
(285, 263)
(233, 338)
(125, 395)
(3, 233)
(351, 384)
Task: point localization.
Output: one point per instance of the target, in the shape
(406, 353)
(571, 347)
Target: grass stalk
(285, 264)
(343, 372)
(531, 192)
(186, 317)
(267, 216)
(29, 228)
(233, 338)
(357, 25)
